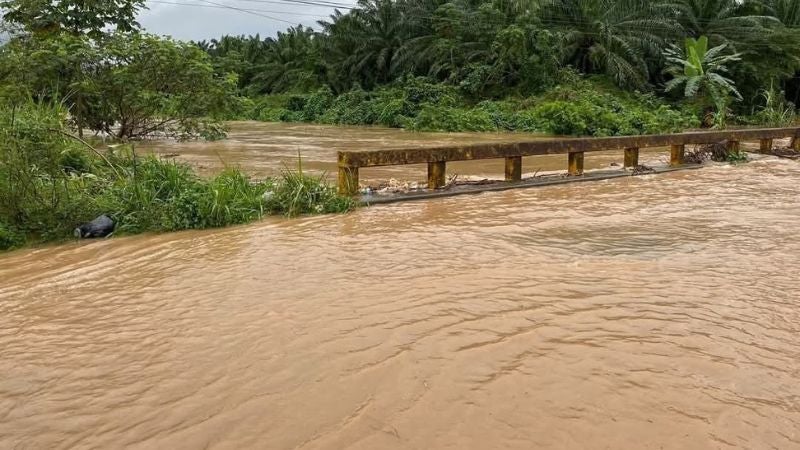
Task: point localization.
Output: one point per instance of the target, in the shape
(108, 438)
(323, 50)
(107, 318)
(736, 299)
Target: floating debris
(641, 169)
(785, 152)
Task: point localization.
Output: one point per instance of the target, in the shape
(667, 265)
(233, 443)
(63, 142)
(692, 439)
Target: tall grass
(776, 110)
(295, 193)
(49, 184)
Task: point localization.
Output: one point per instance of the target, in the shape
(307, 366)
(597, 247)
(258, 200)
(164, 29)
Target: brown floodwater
(635, 313)
(264, 149)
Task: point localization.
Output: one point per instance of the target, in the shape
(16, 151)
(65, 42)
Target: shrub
(589, 109)
(270, 114)
(418, 91)
(577, 107)
(268, 108)
(317, 104)
(10, 238)
(501, 113)
(445, 118)
(41, 193)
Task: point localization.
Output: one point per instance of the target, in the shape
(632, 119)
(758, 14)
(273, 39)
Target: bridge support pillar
(514, 168)
(676, 155)
(575, 163)
(348, 180)
(436, 174)
(631, 157)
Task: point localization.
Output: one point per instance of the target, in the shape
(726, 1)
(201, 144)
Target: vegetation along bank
(567, 67)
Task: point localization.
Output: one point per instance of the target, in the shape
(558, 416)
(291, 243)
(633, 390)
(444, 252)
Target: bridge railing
(438, 157)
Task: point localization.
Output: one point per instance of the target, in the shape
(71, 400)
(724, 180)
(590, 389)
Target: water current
(659, 311)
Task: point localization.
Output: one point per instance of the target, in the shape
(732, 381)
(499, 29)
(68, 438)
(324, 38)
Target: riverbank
(575, 107)
(52, 182)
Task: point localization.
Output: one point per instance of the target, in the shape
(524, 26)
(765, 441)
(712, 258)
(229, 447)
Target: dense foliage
(51, 182)
(77, 17)
(516, 51)
(126, 85)
(92, 58)
(575, 107)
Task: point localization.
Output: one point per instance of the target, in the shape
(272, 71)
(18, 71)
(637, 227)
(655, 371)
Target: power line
(426, 17)
(306, 2)
(247, 12)
(164, 2)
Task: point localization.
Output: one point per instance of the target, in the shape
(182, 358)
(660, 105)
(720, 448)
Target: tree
(614, 37)
(89, 17)
(240, 55)
(128, 85)
(364, 44)
(700, 71)
(786, 11)
(292, 62)
(724, 21)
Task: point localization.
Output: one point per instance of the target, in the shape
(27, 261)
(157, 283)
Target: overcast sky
(201, 19)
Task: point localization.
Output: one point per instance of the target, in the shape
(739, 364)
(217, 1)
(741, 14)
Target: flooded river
(636, 313)
(264, 149)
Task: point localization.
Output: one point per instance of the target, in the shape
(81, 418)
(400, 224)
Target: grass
(50, 183)
(295, 193)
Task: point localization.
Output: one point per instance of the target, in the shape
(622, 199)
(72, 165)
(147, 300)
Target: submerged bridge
(575, 149)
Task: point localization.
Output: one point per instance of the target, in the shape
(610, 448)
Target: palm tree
(700, 71)
(724, 21)
(786, 11)
(364, 43)
(614, 37)
(292, 62)
(445, 41)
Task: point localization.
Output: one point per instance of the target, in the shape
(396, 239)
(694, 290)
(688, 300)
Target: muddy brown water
(636, 313)
(264, 149)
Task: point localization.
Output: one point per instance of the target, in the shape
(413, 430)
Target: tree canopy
(89, 17)
(500, 47)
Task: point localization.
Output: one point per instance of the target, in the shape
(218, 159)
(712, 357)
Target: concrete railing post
(436, 174)
(575, 163)
(676, 155)
(514, 168)
(766, 146)
(348, 180)
(631, 157)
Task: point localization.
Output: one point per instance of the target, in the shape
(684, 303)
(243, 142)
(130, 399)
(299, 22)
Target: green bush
(10, 238)
(75, 160)
(502, 113)
(270, 114)
(317, 104)
(584, 108)
(418, 91)
(571, 118)
(445, 118)
(578, 107)
(41, 194)
(268, 108)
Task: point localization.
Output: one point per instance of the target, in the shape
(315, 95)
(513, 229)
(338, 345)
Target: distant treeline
(495, 49)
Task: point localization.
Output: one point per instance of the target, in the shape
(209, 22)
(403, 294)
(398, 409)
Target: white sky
(201, 19)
